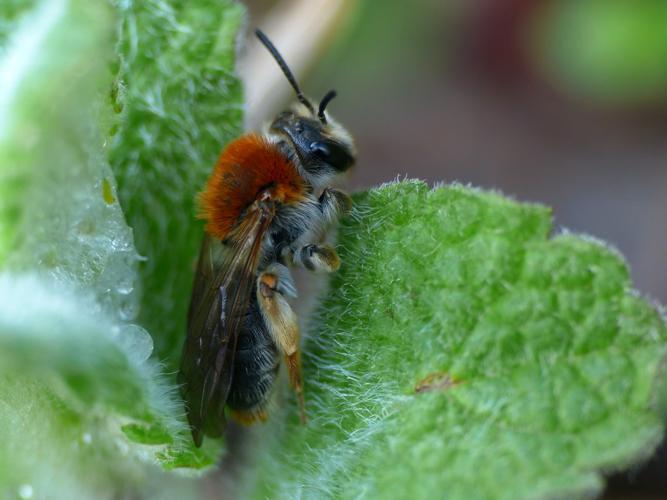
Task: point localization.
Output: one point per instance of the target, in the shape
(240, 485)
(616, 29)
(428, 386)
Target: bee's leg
(283, 326)
(334, 203)
(304, 251)
(284, 281)
(313, 257)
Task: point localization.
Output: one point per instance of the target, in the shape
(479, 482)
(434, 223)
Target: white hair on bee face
(331, 127)
(340, 133)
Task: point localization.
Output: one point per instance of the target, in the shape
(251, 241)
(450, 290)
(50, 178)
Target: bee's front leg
(334, 203)
(313, 257)
(282, 323)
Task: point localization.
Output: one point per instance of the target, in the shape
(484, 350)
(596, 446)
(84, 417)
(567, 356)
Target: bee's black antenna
(323, 104)
(283, 66)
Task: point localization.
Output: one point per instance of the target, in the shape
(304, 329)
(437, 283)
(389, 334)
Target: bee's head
(323, 147)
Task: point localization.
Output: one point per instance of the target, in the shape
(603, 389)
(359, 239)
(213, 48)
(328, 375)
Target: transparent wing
(222, 288)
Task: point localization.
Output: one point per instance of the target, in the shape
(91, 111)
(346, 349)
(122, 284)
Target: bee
(267, 206)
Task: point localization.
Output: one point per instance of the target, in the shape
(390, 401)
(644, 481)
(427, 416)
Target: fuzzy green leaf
(68, 381)
(58, 211)
(461, 351)
(83, 412)
(179, 104)
(72, 369)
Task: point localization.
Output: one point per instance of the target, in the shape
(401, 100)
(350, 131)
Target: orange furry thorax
(247, 166)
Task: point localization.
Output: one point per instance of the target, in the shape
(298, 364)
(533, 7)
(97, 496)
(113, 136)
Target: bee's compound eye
(320, 149)
(299, 127)
(332, 153)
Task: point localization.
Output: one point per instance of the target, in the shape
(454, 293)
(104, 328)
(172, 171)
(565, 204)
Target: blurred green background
(558, 101)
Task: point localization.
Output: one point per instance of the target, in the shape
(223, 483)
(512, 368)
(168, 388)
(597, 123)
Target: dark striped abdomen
(255, 364)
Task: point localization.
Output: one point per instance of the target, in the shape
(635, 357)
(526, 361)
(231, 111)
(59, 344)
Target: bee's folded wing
(222, 289)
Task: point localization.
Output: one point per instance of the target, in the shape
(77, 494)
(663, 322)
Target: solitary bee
(267, 205)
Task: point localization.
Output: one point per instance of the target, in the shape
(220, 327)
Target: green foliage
(10, 12)
(83, 412)
(459, 350)
(52, 159)
(69, 380)
(178, 103)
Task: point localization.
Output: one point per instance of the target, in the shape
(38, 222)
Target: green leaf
(83, 412)
(68, 381)
(460, 350)
(179, 104)
(11, 12)
(71, 369)
(58, 211)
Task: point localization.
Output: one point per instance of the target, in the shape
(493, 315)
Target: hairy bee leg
(305, 251)
(329, 207)
(284, 328)
(334, 203)
(284, 280)
(315, 258)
